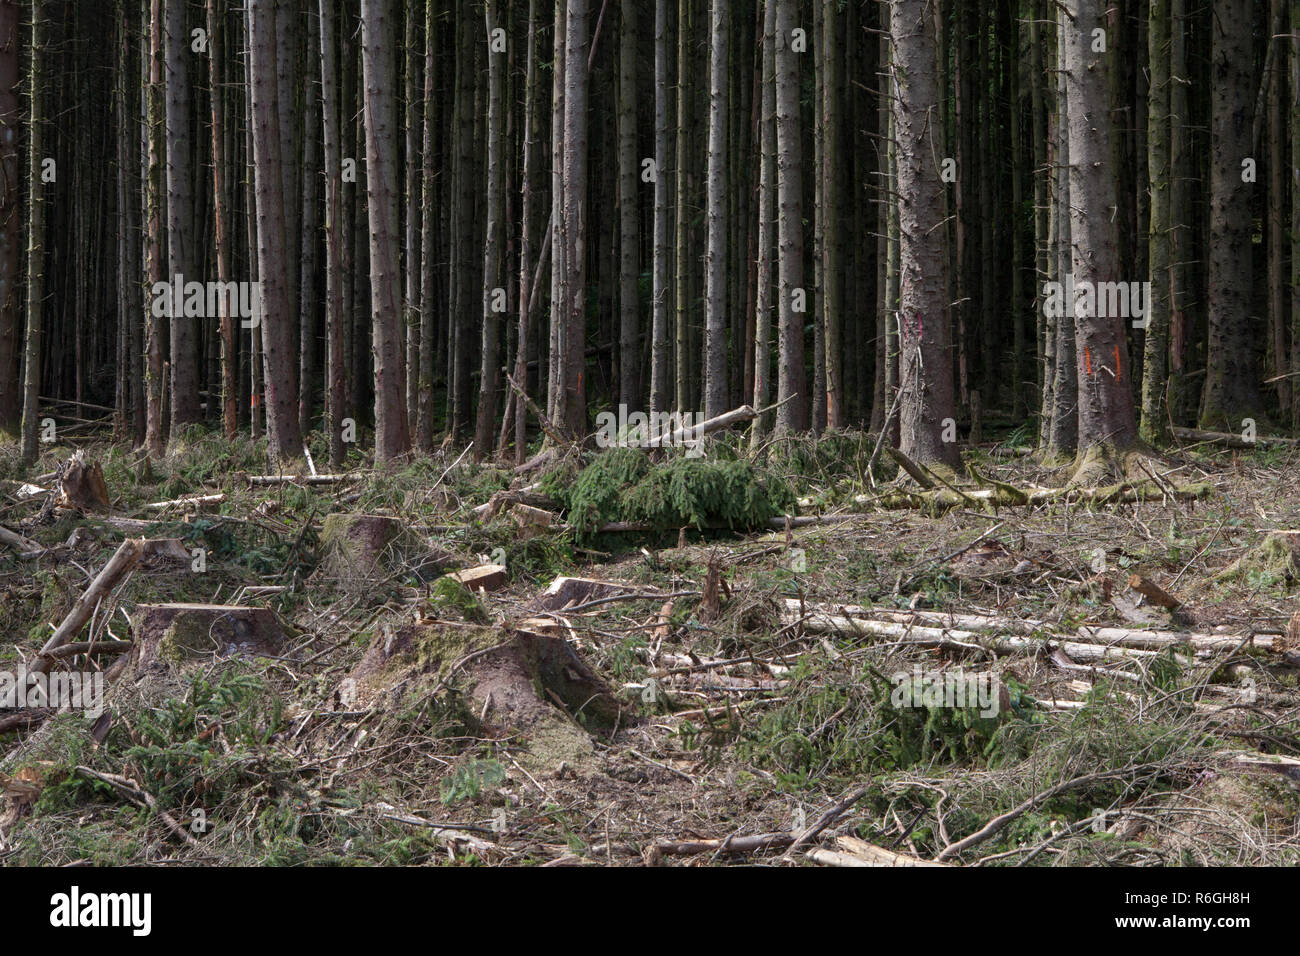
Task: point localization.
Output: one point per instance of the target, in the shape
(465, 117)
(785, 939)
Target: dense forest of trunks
(910, 215)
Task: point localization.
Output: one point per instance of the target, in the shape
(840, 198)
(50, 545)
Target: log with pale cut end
(176, 634)
(531, 521)
(485, 577)
(568, 591)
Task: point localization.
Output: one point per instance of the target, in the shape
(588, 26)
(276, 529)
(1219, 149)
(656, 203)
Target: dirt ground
(722, 686)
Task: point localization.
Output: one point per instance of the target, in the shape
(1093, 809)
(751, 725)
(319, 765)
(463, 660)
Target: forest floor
(747, 680)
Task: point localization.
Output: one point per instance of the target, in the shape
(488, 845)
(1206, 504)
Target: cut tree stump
(81, 484)
(485, 577)
(175, 634)
(356, 545)
(532, 687)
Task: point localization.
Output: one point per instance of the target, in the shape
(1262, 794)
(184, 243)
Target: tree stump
(169, 635)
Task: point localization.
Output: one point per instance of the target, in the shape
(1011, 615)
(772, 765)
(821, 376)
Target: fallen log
(196, 501)
(756, 843)
(1202, 644)
(124, 559)
(819, 622)
(1231, 439)
(686, 433)
(852, 852)
(17, 541)
(261, 480)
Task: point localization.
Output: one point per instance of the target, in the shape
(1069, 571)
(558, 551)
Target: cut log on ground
(194, 501)
(124, 559)
(852, 852)
(18, 542)
(1231, 439)
(1201, 644)
(485, 577)
(565, 592)
(262, 480)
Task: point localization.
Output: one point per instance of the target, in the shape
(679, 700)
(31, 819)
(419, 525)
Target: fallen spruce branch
(141, 798)
(826, 818)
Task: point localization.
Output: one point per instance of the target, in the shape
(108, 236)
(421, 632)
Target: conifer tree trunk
(335, 395)
(573, 420)
(662, 247)
(925, 357)
(1231, 380)
(792, 386)
(392, 437)
(155, 327)
(715, 296)
(493, 248)
(766, 202)
(1155, 417)
(11, 213)
(180, 221)
(278, 321)
(36, 203)
(1107, 422)
(629, 206)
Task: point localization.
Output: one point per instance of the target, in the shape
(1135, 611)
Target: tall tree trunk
(1155, 411)
(681, 267)
(11, 213)
(573, 420)
(1107, 423)
(278, 321)
(662, 248)
(715, 297)
(335, 395)
(310, 205)
(925, 361)
(392, 437)
(792, 387)
(766, 202)
(185, 408)
(1295, 213)
(221, 199)
(493, 254)
(1063, 430)
(832, 239)
(35, 230)
(1231, 380)
(629, 207)
(1276, 203)
(428, 254)
(155, 328)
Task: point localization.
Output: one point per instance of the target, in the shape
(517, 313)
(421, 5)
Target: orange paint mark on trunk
(1087, 360)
